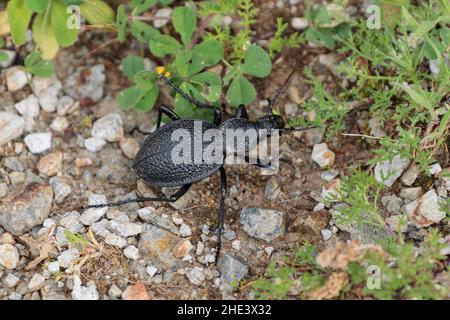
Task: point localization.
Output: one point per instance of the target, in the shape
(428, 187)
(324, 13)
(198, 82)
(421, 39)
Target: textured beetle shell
(154, 164)
(243, 140)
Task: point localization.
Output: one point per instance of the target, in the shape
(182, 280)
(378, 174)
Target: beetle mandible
(153, 162)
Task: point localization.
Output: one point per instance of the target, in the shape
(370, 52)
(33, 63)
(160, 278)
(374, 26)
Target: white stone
(11, 127)
(200, 248)
(390, 170)
(125, 229)
(410, 175)
(64, 105)
(11, 56)
(236, 245)
(151, 271)
(109, 128)
(161, 17)
(36, 282)
(70, 221)
(177, 220)
(53, 267)
(94, 144)
(40, 84)
(114, 240)
(426, 210)
(326, 234)
(39, 142)
(435, 169)
(269, 250)
(48, 98)
(29, 123)
(9, 256)
(68, 257)
(323, 156)
(131, 252)
(114, 292)
(92, 215)
(28, 107)
(195, 275)
(11, 280)
(395, 223)
(319, 207)
(59, 124)
(299, 23)
(80, 292)
(16, 78)
(185, 230)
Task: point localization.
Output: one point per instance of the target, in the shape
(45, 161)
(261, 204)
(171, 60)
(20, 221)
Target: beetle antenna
(279, 91)
(192, 100)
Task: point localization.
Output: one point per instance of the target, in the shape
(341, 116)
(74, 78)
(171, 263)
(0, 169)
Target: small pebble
(28, 107)
(39, 142)
(151, 271)
(326, 234)
(131, 252)
(185, 230)
(299, 23)
(59, 124)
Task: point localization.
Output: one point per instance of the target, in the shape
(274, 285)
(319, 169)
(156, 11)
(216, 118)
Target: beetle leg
(168, 112)
(241, 112)
(259, 163)
(223, 192)
(217, 116)
(177, 195)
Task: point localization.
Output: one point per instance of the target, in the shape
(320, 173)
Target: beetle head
(271, 122)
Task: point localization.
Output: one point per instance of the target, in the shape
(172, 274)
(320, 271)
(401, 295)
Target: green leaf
(65, 36)
(162, 45)
(32, 58)
(182, 60)
(432, 47)
(210, 51)
(3, 57)
(321, 36)
(129, 97)
(37, 5)
(445, 36)
(196, 65)
(241, 91)
(142, 31)
(185, 109)
(184, 20)
(97, 12)
(121, 22)
(166, 2)
(37, 67)
(419, 96)
(148, 100)
(257, 62)
(211, 83)
(44, 37)
(42, 69)
(131, 65)
(145, 79)
(321, 16)
(140, 6)
(19, 17)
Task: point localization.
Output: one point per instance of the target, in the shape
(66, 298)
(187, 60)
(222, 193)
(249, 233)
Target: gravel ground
(64, 143)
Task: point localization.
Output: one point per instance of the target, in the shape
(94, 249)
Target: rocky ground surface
(64, 143)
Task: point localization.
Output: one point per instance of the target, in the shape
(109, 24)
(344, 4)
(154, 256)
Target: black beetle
(153, 162)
